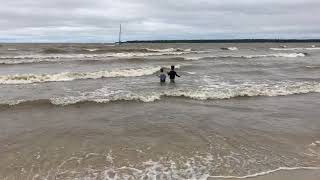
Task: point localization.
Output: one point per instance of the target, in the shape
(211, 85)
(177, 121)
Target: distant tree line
(232, 41)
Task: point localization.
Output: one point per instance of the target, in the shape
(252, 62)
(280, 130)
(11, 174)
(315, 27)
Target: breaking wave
(169, 50)
(313, 67)
(111, 50)
(91, 50)
(70, 76)
(209, 92)
(279, 55)
(288, 55)
(38, 58)
(230, 48)
(12, 49)
(54, 51)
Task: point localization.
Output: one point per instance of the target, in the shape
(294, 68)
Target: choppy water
(107, 116)
(66, 74)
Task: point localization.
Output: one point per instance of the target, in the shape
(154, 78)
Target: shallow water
(103, 114)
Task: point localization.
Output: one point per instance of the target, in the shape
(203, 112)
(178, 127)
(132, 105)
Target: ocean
(98, 111)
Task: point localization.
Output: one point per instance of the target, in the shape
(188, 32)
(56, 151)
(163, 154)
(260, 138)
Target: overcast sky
(98, 20)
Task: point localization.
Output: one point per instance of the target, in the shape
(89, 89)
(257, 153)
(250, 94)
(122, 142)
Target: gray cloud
(98, 20)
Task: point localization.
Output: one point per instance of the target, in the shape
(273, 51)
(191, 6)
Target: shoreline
(284, 173)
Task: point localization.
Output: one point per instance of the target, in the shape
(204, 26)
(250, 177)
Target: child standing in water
(172, 74)
(162, 76)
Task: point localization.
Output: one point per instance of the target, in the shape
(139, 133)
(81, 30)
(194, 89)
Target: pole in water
(120, 35)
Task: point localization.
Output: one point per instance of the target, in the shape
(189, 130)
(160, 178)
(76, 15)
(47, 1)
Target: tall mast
(120, 35)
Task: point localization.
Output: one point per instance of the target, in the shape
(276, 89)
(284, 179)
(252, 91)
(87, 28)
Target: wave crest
(230, 48)
(279, 55)
(70, 76)
(295, 49)
(54, 51)
(60, 57)
(210, 92)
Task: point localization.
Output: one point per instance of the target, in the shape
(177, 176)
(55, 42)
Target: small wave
(287, 55)
(91, 50)
(193, 58)
(210, 92)
(28, 59)
(131, 50)
(54, 51)
(312, 67)
(169, 50)
(36, 58)
(214, 92)
(192, 73)
(12, 49)
(70, 76)
(14, 60)
(230, 48)
(296, 49)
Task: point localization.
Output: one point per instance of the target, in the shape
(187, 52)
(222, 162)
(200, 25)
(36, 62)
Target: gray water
(97, 111)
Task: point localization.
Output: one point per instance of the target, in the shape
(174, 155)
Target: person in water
(172, 74)
(162, 76)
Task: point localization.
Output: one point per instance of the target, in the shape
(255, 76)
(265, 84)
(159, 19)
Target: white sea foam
(287, 55)
(209, 92)
(70, 76)
(219, 90)
(198, 167)
(12, 49)
(193, 58)
(195, 168)
(192, 73)
(230, 48)
(92, 50)
(277, 55)
(169, 50)
(36, 58)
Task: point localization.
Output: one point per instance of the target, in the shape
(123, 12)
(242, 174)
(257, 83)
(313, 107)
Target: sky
(98, 20)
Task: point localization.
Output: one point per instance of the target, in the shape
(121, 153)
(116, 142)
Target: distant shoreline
(183, 41)
(231, 41)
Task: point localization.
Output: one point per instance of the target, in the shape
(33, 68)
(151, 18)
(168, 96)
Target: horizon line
(244, 40)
